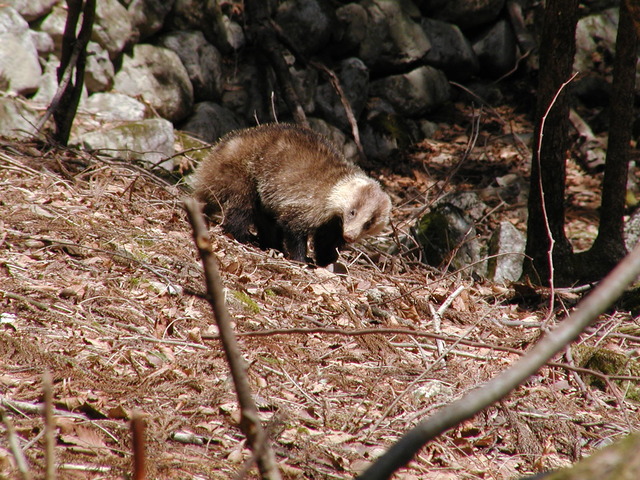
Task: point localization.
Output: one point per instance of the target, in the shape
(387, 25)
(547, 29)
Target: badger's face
(366, 212)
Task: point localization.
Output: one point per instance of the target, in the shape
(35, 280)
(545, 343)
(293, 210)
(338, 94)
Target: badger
(281, 184)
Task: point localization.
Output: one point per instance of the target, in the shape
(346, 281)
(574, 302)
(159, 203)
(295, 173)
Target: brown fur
(288, 183)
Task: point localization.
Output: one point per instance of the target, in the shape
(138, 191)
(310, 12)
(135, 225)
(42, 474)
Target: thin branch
(543, 200)
(49, 427)
(250, 421)
(137, 441)
(14, 445)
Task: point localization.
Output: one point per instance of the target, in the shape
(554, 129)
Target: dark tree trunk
(609, 248)
(65, 103)
(548, 173)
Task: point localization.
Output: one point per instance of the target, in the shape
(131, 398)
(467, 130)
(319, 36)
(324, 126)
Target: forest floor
(99, 283)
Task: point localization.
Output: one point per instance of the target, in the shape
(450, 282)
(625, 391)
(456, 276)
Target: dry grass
(96, 266)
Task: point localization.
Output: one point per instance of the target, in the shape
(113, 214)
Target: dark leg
(296, 246)
(326, 241)
(238, 222)
(270, 233)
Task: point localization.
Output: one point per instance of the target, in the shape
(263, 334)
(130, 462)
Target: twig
(468, 406)
(335, 83)
(14, 445)
(437, 316)
(250, 421)
(49, 427)
(137, 441)
(543, 200)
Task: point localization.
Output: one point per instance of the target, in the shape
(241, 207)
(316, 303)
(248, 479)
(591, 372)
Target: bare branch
(250, 421)
(49, 427)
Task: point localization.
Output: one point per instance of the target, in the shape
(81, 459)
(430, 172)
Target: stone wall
(155, 67)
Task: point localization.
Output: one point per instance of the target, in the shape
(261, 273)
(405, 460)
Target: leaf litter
(100, 284)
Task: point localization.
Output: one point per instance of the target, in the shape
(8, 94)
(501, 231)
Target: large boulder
(415, 93)
(394, 39)
(464, 13)
(31, 10)
(17, 119)
(148, 140)
(112, 27)
(113, 107)
(156, 75)
(147, 16)
(354, 80)
(201, 59)
(450, 51)
(99, 73)
(209, 121)
(19, 66)
(307, 24)
(496, 49)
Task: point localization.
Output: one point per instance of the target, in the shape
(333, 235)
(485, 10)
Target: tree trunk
(74, 55)
(609, 248)
(548, 172)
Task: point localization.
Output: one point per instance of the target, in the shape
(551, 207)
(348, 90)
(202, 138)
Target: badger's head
(362, 205)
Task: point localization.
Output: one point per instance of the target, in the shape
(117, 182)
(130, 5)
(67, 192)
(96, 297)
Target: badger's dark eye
(368, 225)
(352, 212)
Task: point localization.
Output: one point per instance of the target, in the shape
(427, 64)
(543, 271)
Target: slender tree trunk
(609, 247)
(548, 172)
(74, 55)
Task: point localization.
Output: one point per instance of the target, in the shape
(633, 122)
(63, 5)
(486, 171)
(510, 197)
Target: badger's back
(295, 174)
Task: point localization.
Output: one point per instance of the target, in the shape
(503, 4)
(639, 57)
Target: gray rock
(192, 15)
(209, 121)
(351, 29)
(464, 13)
(17, 119)
(112, 27)
(53, 25)
(447, 237)
(19, 66)
(48, 83)
(450, 51)
(148, 140)
(415, 93)
(114, 107)
(469, 203)
(383, 133)
(99, 71)
(147, 16)
(43, 42)
(496, 49)
(305, 83)
(228, 35)
(337, 137)
(31, 9)
(506, 254)
(244, 93)
(595, 33)
(393, 39)
(632, 230)
(202, 61)
(157, 75)
(307, 24)
(354, 80)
